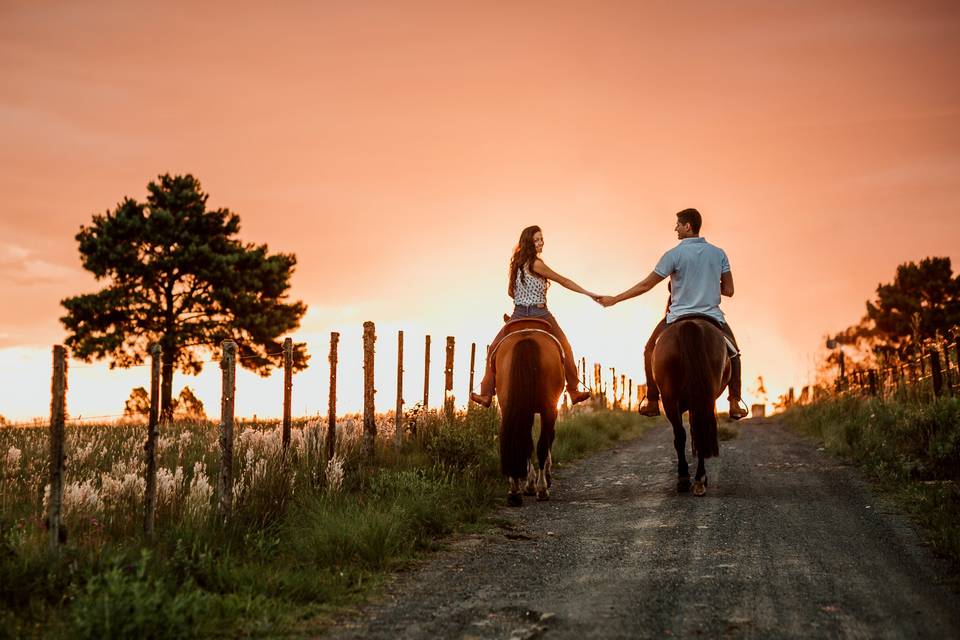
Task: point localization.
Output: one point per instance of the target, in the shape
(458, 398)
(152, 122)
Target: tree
(177, 275)
(138, 404)
(922, 301)
(188, 406)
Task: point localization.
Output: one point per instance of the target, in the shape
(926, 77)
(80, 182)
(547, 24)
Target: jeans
(489, 382)
(653, 393)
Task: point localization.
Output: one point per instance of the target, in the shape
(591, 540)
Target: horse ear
(506, 318)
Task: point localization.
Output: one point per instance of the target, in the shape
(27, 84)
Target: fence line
(935, 370)
(226, 438)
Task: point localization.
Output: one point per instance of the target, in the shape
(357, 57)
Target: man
(699, 274)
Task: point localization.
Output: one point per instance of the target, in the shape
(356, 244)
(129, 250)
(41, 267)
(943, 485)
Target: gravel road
(788, 543)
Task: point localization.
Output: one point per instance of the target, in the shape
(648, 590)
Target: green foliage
(176, 275)
(911, 448)
(922, 302)
(125, 601)
(291, 551)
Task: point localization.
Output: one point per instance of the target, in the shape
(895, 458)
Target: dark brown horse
(691, 365)
(530, 379)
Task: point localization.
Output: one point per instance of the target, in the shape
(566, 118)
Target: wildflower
(198, 495)
(334, 474)
(12, 460)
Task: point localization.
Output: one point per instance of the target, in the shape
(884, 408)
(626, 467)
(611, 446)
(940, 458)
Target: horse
(529, 379)
(691, 366)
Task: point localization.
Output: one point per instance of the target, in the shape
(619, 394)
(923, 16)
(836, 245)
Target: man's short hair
(691, 217)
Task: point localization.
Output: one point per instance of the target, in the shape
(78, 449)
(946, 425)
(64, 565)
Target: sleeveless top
(531, 290)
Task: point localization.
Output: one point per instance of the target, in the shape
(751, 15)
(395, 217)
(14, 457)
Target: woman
(529, 279)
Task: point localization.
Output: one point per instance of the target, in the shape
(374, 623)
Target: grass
(304, 540)
(911, 448)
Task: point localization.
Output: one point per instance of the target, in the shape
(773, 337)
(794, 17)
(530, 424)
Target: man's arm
(726, 284)
(641, 287)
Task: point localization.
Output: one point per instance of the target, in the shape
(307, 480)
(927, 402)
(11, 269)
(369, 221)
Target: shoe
(650, 408)
(578, 396)
(736, 411)
(483, 401)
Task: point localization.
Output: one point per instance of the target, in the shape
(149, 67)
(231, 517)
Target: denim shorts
(531, 311)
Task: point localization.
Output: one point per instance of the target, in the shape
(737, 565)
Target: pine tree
(177, 275)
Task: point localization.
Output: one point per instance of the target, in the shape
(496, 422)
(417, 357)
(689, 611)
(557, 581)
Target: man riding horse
(699, 274)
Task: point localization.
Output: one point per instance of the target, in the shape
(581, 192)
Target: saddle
(731, 348)
(526, 325)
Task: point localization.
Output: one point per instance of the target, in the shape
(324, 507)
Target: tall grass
(307, 535)
(912, 448)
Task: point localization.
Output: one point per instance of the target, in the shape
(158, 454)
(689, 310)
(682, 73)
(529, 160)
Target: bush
(126, 602)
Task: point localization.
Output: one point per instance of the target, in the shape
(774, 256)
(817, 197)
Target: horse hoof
(699, 488)
(543, 496)
(683, 484)
(529, 491)
(514, 500)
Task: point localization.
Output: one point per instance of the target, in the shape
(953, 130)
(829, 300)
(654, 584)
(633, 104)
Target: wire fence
(933, 372)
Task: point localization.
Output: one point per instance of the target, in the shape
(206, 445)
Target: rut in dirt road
(787, 543)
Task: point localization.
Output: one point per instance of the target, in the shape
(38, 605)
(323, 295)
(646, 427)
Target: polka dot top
(531, 290)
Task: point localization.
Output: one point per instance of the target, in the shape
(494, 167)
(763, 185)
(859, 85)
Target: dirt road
(788, 543)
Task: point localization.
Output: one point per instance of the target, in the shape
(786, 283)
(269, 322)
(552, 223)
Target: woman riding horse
(527, 285)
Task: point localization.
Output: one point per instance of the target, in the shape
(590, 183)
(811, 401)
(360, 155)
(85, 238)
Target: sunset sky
(398, 148)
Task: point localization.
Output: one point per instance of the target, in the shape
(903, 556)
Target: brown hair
(523, 256)
(691, 217)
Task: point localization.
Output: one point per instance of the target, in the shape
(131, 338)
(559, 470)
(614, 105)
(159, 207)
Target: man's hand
(607, 301)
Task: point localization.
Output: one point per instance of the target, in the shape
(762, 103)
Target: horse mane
(516, 427)
(698, 389)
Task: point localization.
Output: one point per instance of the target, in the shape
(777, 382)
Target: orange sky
(399, 148)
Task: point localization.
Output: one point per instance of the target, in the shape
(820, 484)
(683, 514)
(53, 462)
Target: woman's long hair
(523, 256)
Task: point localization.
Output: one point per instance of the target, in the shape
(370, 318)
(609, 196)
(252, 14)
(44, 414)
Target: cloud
(18, 265)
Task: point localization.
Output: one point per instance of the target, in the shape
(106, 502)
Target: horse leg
(680, 444)
(700, 481)
(548, 420)
(531, 487)
(514, 499)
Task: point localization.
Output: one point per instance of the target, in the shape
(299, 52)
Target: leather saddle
(731, 348)
(526, 325)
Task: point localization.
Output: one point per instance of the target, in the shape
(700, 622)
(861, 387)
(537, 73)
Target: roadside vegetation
(307, 536)
(911, 447)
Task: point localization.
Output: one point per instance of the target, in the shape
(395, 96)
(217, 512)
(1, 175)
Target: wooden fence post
(426, 372)
(947, 374)
(613, 378)
(331, 444)
(153, 432)
(287, 389)
(872, 378)
(398, 413)
(369, 410)
(228, 363)
(448, 379)
(956, 353)
(630, 397)
(58, 418)
(596, 378)
(937, 374)
(473, 358)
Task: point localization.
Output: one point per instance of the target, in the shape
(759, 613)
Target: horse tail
(516, 427)
(698, 389)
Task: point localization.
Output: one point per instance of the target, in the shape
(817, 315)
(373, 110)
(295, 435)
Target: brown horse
(691, 365)
(530, 379)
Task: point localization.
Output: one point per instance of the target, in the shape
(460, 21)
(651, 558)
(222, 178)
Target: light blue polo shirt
(694, 267)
